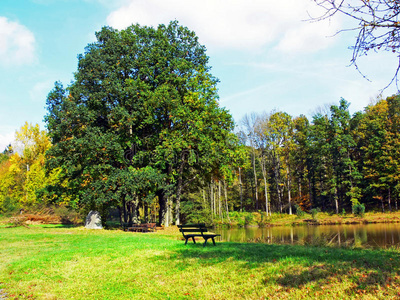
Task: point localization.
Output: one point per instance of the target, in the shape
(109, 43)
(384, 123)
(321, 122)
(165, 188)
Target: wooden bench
(194, 230)
(142, 227)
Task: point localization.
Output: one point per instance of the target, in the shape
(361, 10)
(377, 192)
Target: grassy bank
(73, 263)
(260, 219)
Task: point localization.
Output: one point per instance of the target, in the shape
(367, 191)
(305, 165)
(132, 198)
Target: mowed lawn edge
(54, 262)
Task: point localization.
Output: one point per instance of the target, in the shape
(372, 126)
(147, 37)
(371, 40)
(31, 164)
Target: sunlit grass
(74, 263)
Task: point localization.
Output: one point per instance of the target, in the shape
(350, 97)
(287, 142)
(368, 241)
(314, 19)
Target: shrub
(314, 213)
(248, 218)
(263, 220)
(299, 212)
(359, 210)
(9, 206)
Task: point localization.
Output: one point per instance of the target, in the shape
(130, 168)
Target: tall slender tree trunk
(264, 173)
(135, 207)
(178, 201)
(255, 178)
(289, 188)
(300, 195)
(266, 197)
(241, 190)
(389, 200)
(168, 215)
(211, 199)
(146, 213)
(277, 180)
(226, 201)
(219, 200)
(163, 207)
(124, 209)
(336, 201)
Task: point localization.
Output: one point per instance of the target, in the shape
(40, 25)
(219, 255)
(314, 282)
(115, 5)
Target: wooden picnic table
(146, 227)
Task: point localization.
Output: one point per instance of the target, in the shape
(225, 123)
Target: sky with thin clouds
(266, 53)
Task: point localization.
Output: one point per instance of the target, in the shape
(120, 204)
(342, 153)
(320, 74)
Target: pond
(366, 235)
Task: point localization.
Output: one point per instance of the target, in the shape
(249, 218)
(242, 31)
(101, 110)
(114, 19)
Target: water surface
(372, 235)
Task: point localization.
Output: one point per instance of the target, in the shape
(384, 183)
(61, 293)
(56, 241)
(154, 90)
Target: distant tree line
(333, 162)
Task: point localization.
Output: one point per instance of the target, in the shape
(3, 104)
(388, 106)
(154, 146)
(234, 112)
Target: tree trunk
(146, 213)
(219, 200)
(211, 199)
(289, 187)
(300, 196)
(163, 206)
(336, 201)
(266, 196)
(241, 190)
(277, 180)
(124, 209)
(255, 179)
(264, 173)
(135, 207)
(178, 202)
(390, 205)
(130, 212)
(226, 201)
(168, 215)
(120, 211)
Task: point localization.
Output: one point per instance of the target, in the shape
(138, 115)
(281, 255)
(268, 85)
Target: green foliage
(194, 212)
(9, 206)
(262, 221)
(141, 118)
(359, 209)
(314, 213)
(299, 212)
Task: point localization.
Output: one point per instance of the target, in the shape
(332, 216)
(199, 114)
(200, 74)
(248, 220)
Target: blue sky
(263, 51)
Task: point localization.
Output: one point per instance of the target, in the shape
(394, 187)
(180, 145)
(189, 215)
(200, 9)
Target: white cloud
(308, 37)
(240, 24)
(17, 43)
(6, 139)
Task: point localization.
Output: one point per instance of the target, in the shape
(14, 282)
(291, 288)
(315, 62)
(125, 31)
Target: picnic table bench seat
(146, 227)
(197, 230)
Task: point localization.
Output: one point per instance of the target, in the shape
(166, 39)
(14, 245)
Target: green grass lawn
(54, 262)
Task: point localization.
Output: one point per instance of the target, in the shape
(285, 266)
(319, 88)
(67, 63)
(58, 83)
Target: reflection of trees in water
(372, 235)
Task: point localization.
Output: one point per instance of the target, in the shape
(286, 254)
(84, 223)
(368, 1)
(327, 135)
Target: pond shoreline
(259, 220)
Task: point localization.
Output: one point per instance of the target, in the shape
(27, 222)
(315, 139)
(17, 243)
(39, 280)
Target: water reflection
(373, 235)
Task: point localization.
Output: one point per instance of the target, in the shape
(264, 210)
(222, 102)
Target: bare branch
(378, 26)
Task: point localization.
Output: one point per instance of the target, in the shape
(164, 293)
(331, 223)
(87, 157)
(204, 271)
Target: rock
(93, 220)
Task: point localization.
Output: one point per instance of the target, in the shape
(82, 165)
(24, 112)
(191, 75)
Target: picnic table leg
(194, 241)
(186, 239)
(213, 241)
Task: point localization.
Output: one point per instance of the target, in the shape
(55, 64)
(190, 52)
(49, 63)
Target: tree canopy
(140, 119)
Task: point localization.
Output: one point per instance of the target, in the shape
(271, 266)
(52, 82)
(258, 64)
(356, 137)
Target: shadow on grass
(295, 266)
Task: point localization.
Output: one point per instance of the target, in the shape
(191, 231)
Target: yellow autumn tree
(22, 175)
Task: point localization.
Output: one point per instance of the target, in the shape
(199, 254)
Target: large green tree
(140, 119)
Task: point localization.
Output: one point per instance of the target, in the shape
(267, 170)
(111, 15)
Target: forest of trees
(331, 162)
(140, 131)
